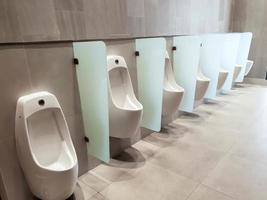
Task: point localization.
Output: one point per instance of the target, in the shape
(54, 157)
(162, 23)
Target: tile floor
(217, 153)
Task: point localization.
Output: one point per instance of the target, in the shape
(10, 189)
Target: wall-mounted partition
(210, 54)
(150, 73)
(243, 52)
(185, 64)
(229, 49)
(92, 80)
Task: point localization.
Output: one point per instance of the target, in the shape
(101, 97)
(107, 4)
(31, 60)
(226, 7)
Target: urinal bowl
(172, 92)
(237, 71)
(53, 185)
(125, 111)
(201, 87)
(249, 66)
(222, 78)
(124, 123)
(44, 147)
(171, 101)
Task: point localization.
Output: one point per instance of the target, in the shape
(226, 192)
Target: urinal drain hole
(41, 102)
(117, 61)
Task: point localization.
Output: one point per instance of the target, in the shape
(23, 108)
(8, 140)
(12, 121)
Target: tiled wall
(29, 68)
(37, 20)
(252, 16)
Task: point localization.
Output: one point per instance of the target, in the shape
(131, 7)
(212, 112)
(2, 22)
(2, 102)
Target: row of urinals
(45, 149)
(43, 141)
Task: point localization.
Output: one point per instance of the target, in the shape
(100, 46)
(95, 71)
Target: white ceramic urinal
(172, 92)
(201, 86)
(44, 147)
(249, 66)
(223, 74)
(125, 111)
(237, 71)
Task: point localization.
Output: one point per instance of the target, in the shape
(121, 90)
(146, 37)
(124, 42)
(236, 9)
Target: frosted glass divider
(209, 63)
(186, 64)
(150, 74)
(92, 81)
(230, 47)
(243, 52)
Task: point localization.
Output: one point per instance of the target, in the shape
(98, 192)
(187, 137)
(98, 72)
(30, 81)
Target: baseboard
(256, 81)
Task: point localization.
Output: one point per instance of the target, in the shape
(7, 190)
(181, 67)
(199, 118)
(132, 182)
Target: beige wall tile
(9, 22)
(37, 20)
(52, 69)
(14, 82)
(12, 176)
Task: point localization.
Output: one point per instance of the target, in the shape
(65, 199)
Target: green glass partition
(210, 61)
(185, 64)
(92, 80)
(230, 47)
(150, 73)
(243, 52)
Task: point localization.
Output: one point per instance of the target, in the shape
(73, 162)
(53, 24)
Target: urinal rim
(251, 65)
(177, 88)
(74, 157)
(124, 67)
(20, 112)
(204, 79)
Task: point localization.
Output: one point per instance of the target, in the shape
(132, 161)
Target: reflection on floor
(217, 153)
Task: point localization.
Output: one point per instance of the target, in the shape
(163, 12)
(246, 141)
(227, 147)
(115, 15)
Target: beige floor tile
(217, 138)
(113, 172)
(252, 149)
(94, 182)
(146, 149)
(128, 161)
(87, 191)
(151, 182)
(239, 178)
(191, 161)
(78, 193)
(167, 136)
(98, 196)
(205, 193)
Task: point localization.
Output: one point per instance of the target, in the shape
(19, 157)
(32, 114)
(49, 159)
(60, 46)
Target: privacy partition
(91, 70)
(243, 52)
(185, 64)
(209, 63)
(150, 73)
(229, 50)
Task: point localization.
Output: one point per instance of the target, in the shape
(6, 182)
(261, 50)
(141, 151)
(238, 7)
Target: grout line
(215, 190)
(193, 191)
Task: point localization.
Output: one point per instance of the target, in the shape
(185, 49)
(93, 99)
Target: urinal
(237, 71)
(125, 111)
(172, 92)
(249, 66)
(201, 86)
(44, 147)
(223, 74)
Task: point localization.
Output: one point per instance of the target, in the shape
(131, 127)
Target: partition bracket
(86, 139)
(174, 48)
(136, 53)
(76, 61)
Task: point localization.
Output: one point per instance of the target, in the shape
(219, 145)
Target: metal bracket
(76, 61)
(137, 53)
(174, 48)
(86, 139)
